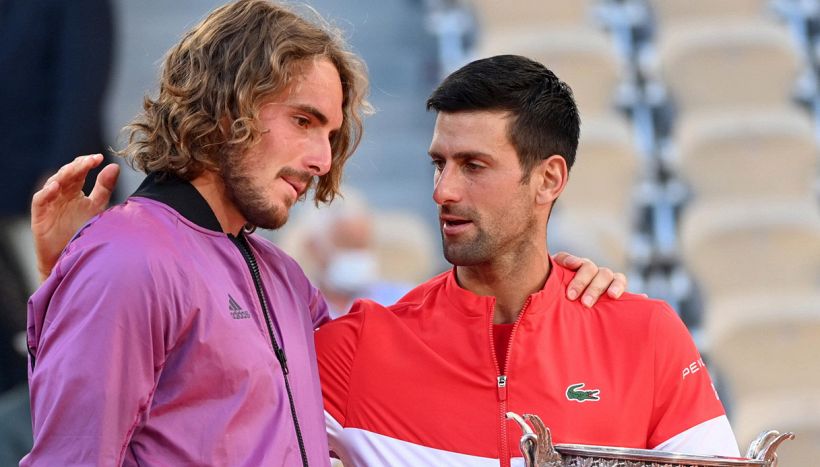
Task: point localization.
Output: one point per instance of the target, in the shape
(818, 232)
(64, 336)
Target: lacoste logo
(236, 310)
(575, 393)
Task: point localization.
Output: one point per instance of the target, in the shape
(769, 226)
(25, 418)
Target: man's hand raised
(61, 207)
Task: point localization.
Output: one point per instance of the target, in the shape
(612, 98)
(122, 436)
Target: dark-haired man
(428, 380)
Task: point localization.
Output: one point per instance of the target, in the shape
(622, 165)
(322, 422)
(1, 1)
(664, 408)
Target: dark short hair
(545, 119)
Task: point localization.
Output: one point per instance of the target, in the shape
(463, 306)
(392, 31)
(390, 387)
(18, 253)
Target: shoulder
(564, 276)
(136, 223)
(116, 270)
(348, 327)
(629, 312)
(368, 319)
(641, 305)
(139, 239)
(422, 293)
(635, 308)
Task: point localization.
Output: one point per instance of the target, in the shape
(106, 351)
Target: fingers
(618, 286)
(590, 281)
(567, 260)
(600, 283)
(43, 197)
(72, 175)
(586, 271)
(104, 186)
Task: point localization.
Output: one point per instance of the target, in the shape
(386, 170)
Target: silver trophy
(539, 451)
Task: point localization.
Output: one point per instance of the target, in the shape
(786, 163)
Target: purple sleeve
(99, 329)
(318, 308)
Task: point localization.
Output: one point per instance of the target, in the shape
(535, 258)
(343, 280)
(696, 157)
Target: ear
(550, 177)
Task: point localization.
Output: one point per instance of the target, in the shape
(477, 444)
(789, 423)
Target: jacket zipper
(242, 244)
(503, 380)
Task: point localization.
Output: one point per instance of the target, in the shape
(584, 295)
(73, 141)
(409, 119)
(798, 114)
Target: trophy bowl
(538, 451)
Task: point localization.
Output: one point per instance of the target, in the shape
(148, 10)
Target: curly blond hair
(216, 78)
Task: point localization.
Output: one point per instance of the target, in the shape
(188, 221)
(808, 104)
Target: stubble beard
(467, 252)
(490, 241)
(250, 199)
(463, 251)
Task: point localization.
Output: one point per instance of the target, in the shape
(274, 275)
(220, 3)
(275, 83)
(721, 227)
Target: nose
(446, 186)
(319, 160)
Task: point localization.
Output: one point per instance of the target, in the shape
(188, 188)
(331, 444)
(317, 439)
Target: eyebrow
(316, 113)
(464, 155)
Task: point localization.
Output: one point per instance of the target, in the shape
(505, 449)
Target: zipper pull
(502, 387)
(283, 360)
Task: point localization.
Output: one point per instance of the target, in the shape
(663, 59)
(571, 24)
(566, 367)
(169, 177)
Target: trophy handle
(529, 440)
(536, 446)
(764, 446)
(546, 455)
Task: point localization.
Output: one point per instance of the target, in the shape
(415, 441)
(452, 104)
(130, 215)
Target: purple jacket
(149, 346)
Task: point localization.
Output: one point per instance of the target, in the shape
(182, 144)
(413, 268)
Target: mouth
(298, 186)
(453, 225)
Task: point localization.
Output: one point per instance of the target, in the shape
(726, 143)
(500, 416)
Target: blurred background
(697, 172)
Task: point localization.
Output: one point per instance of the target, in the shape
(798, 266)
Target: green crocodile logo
(575, 393)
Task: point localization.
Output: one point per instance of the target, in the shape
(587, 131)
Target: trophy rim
(607, 452)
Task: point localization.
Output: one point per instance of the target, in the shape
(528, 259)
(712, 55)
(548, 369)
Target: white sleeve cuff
(711, 438)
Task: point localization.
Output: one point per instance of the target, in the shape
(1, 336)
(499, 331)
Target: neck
(510, 282)
(211, 187)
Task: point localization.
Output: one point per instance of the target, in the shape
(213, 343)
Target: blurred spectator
(338, 243)
(55, 56)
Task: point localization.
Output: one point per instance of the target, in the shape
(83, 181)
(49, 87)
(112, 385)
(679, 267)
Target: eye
(472, 166)
(438, 164)
(301, 121)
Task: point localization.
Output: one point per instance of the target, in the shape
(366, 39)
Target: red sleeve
(684, 395)
(336, 344)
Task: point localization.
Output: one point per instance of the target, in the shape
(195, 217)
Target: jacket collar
(473, 304)
(180, 196)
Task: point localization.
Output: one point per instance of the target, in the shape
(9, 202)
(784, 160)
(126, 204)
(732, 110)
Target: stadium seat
(668, 12)
(605, 238)
(734, 247)
(582, 57)
(739, 154)
(766, 340)
(495, 15)
(594, 215)
(795, 409)
(606, 168)
(728, 64)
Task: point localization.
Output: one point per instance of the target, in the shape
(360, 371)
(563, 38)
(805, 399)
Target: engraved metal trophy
(539, 451)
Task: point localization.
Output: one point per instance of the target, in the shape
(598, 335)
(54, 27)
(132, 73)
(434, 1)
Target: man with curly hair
(167, 334)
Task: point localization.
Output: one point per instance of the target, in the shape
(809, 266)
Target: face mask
(351, 271)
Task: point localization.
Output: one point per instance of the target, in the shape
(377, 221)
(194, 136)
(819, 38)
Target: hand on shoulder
(61, 207)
